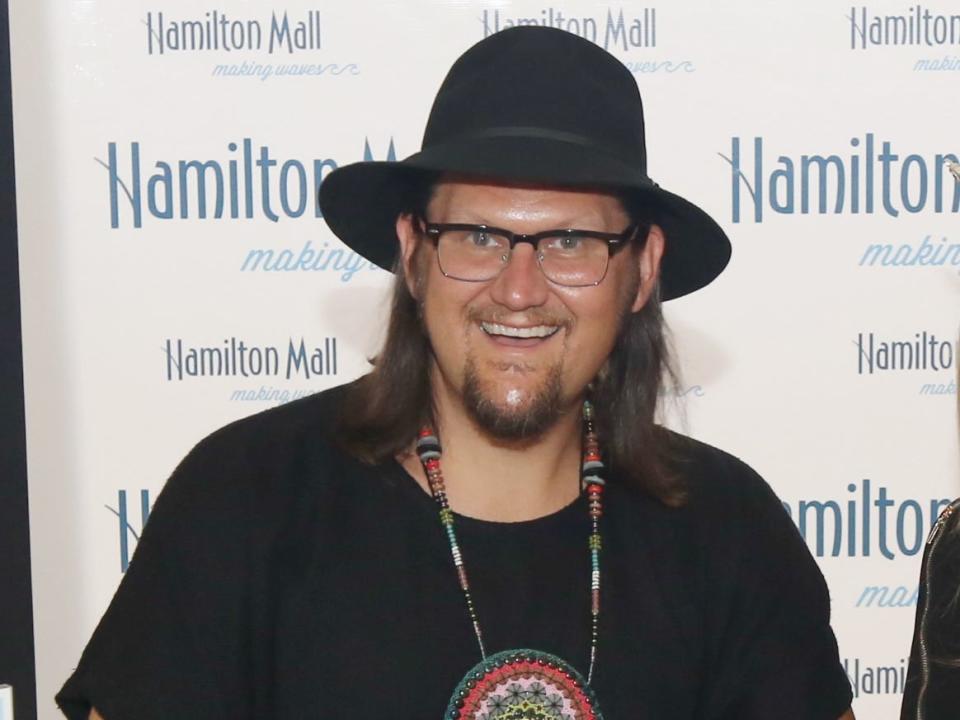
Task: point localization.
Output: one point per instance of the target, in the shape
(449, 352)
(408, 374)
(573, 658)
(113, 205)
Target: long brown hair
(383, 409)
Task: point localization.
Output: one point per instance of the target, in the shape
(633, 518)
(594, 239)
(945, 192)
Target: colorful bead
(429, 451)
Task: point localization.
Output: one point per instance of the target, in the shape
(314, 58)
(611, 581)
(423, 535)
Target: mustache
(530, 317)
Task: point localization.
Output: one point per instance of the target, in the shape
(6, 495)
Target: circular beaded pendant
(523, 685)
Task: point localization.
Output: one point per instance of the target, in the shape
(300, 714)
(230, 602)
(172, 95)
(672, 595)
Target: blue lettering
(822, 523)
(126, 529)
(301, 180)
(322, 168)
(265, 162)
(905, 548)
(784, 177)
(164, 179)
(905, 183)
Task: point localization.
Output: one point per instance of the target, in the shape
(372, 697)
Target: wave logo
(870, 178)
(129, 529)
(238, 43)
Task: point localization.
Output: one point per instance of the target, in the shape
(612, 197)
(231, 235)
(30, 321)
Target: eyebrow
(586, 223)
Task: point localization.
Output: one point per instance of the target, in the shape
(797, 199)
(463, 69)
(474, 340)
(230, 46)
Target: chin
(509, 412)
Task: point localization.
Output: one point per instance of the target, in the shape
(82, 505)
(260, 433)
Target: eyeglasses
(572, 258)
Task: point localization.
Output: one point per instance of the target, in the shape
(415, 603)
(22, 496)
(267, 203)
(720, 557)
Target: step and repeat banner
(177, 273)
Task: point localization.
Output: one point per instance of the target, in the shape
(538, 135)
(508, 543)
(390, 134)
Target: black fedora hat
(532, 105)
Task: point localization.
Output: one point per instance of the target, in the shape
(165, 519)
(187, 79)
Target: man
(575, 560)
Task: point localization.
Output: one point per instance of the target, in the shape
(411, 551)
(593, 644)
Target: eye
(564, 243)
(482, 239)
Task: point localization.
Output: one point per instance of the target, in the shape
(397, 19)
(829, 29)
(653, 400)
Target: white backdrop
(816, 134)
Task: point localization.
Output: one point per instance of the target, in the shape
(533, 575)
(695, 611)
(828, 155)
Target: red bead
(594, 488)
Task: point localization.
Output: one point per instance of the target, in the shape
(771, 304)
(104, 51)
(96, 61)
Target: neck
(504, 481)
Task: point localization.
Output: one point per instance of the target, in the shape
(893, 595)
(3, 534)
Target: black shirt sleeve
(170, 642)
(774, 653)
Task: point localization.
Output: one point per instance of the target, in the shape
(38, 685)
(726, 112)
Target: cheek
(444, 308)
(597, 324)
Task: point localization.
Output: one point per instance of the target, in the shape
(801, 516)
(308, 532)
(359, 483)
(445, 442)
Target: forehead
(465, 200)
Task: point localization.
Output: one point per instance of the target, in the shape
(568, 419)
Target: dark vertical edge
(17, 666)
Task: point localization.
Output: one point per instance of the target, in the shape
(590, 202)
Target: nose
(521, 283)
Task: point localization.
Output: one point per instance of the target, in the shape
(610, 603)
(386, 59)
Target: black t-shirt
(278, 577)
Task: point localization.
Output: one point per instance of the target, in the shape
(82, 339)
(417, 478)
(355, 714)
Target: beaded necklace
(524, 683)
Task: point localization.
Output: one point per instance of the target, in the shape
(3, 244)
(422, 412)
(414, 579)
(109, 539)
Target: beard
(513, 422)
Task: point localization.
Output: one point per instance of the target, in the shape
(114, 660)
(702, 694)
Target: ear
(409, 238)
(648, 260)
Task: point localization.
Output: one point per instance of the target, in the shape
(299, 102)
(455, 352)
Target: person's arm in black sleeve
(171, 642)
(775, 655)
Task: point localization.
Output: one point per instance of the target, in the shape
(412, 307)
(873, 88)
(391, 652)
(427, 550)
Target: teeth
(540, 331)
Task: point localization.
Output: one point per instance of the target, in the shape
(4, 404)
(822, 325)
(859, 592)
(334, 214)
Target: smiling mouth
(538, 332)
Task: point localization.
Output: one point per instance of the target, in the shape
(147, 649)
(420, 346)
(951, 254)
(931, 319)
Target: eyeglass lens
(477, 255)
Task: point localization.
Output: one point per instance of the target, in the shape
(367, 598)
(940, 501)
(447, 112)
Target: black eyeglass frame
(615, 242)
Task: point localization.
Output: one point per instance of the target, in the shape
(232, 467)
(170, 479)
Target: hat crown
(529, 105)
(534, 81)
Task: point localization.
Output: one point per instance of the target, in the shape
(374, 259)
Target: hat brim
(360, 202)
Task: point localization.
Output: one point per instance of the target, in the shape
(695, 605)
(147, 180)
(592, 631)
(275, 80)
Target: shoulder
(744, 591)
(286, 427)
(941, 564)
(268, 457)
(718, 481)
(730, 514)
(275, 438)
(754, 560)
(737, 517)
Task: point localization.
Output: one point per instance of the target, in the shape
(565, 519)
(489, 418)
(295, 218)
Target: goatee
(523, 422)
